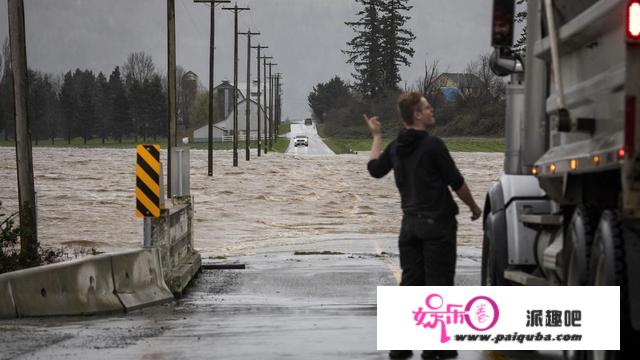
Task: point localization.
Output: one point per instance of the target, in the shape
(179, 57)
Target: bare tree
(428, 85)
(139, 66)
(480, 82)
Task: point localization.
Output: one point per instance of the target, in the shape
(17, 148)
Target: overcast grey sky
(304, 36)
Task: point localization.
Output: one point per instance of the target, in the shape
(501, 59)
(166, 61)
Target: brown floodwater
(86, 199)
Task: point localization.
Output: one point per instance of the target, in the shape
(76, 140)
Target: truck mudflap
(631, 235)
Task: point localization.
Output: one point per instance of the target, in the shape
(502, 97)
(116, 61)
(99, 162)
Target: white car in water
(300, 140)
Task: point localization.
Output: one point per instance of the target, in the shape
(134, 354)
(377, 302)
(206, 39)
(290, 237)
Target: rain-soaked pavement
(300, 304)
(316, 233)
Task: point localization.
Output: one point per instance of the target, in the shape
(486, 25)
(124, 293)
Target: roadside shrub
(11, 258)
(9, 236)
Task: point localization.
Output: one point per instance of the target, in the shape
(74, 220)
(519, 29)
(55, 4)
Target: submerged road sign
(148, 181)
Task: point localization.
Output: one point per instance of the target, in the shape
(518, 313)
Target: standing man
(423, 171)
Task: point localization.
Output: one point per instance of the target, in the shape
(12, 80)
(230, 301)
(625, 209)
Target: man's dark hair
(407, 105)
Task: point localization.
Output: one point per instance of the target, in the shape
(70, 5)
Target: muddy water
(86, 199)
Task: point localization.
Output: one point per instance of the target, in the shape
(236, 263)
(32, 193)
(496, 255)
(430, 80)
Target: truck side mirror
(504, 62)
(502, 23)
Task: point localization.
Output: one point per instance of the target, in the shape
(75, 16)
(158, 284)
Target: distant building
(454, 84)
(189, 89)
(224, 93)
(225, 127)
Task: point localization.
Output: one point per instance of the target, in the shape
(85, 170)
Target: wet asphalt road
(316, 145)
(299, 304)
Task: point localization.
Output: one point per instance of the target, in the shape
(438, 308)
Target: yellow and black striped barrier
(148, 181)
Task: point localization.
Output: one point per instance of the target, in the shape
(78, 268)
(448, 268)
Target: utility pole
(247, 138)
(171, 86)
(275, 104)
(235, 10)
(271, 122)
(259, 47)
(266, 113)
(278, 103)
(24, 156)
(211, 62)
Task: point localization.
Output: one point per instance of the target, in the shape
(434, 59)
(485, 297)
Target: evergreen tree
(328, 96)
(7, 123)
(380, 46)
(365, 51)
(156, 122)
(136, 103)
(2, 109)
(120, 122)
(396, 40)
(69, 105)
(86, 111)
(42, 105)
(102, 106)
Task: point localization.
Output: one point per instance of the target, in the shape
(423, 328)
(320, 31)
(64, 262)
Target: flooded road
(86, 199)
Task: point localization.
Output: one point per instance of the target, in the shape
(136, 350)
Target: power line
(191, 18)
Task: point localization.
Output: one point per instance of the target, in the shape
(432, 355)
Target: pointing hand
(374, 124)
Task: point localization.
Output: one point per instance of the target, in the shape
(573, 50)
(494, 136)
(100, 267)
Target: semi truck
(566, 209)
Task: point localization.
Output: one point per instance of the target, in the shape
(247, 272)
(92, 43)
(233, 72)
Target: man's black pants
(427, 250)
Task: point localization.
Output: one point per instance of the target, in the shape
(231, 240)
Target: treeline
(130, 102)
(476, 109)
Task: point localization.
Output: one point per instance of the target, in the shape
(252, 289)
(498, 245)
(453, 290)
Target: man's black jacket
(423, 170)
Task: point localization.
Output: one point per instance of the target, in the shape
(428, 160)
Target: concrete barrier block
(182, 275)
(138, 278)
(7, 306)
(179, 223)
(78, 287)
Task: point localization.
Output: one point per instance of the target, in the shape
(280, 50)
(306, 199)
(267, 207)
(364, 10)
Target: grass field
(285, 128)
(461, 144)
(339, 146)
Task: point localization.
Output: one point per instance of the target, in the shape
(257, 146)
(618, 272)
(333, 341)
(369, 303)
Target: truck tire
(577, 246)
(597, 252)
(607, 268)
(494, 250)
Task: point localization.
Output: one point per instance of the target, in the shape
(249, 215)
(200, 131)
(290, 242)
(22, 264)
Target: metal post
(211, 68)
(24, 156)
(247, 138)
(171, 86)
(180, 172)
(259, 47)
(235, 9)
(147, 232)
